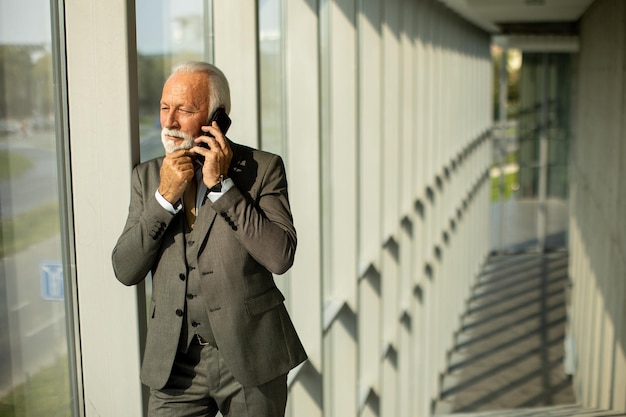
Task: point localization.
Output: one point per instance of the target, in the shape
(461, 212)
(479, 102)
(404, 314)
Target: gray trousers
(201, 385)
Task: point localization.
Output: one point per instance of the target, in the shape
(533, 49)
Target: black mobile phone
(223, 122)
(222, 119)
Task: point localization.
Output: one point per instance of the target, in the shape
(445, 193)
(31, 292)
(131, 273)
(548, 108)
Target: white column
(104, 146)
(391, 168)
(303, 170)
(339, 196)
(370, 214)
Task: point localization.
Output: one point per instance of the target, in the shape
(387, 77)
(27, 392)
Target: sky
(24, 22)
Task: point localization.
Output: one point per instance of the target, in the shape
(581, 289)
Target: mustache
(176, 134)
(169, 144)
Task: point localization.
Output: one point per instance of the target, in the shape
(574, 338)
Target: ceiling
(522, 16)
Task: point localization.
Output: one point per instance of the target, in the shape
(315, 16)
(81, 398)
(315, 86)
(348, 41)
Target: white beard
(169, 144)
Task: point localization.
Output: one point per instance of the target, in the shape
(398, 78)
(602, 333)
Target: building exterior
(382, 113)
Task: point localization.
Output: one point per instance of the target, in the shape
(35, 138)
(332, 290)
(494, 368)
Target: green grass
(44, 394)
(23, 230)
(13, 164)
(510, 158)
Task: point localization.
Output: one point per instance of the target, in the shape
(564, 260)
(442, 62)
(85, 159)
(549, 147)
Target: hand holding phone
(223, 122)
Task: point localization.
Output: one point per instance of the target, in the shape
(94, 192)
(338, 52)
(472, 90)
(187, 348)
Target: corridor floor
(509, 352)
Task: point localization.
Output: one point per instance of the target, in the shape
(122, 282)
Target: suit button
(181, 277)
(179, 312)
(190, 242)
(195, 324)
(190, 296)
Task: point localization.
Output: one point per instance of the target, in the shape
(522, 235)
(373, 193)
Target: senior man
(211, 221)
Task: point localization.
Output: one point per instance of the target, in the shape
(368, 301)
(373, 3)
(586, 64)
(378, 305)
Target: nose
(168, 119)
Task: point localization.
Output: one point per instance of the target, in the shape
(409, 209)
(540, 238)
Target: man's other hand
(177, 171)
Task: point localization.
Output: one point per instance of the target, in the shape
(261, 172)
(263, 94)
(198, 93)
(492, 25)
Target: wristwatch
(217, 188)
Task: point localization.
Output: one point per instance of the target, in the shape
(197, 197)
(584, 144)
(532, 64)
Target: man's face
(184, 109)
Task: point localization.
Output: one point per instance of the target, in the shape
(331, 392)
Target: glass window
(272, 90)
(35, 331)
(168, 33)
(271, 76)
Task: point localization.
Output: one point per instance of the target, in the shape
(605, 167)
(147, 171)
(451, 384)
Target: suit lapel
(204, 221)
(206, 215)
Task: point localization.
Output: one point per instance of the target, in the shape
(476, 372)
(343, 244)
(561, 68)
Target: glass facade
(555, 68)
(534, 146)
(36, 320)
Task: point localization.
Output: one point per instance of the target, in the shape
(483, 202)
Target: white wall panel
(370, 145)
(104, 147)
(339, 196)
(303, 148)
(598, 235)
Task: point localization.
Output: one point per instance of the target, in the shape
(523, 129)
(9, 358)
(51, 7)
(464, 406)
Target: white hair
(219, 91)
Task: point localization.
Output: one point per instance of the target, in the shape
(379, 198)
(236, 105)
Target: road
(32, 328)
(35, 187)
(39, 185)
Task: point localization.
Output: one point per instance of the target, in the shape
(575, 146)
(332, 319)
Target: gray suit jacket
(246, 235)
